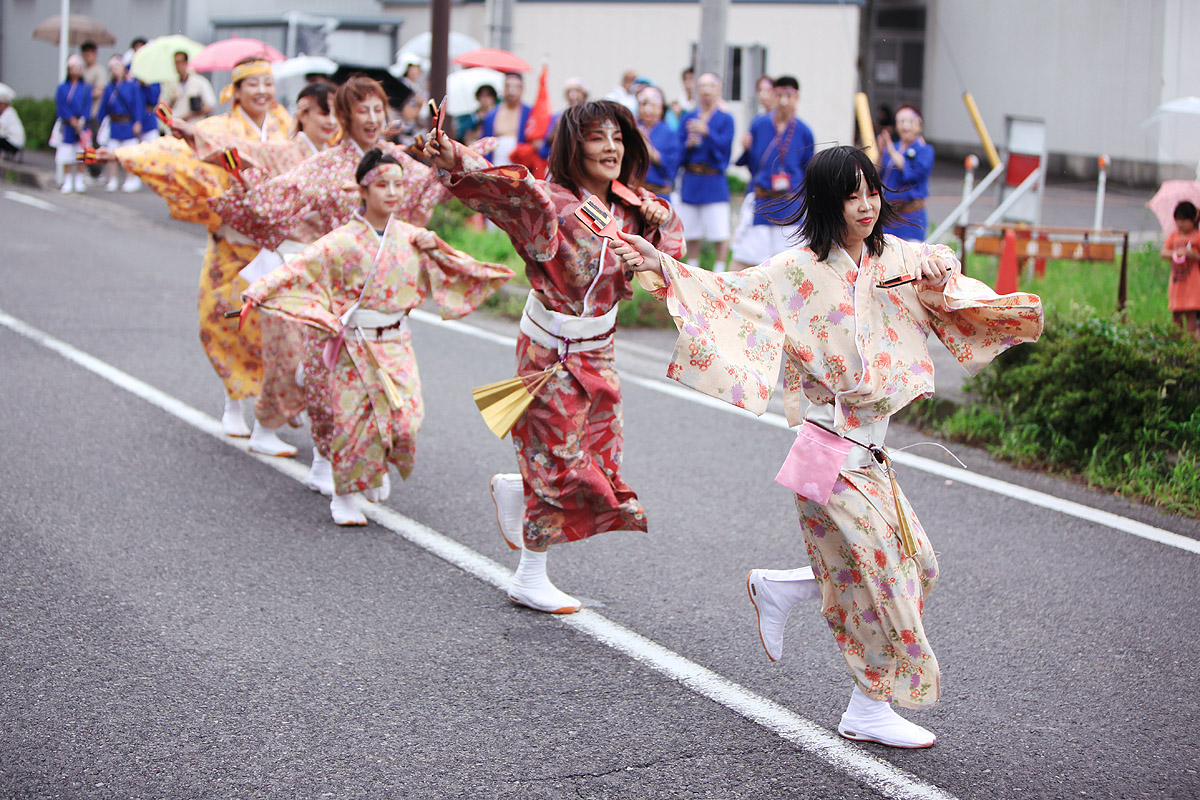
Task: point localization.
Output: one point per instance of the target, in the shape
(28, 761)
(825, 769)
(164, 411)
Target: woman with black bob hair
(847, 315)
(568, 441)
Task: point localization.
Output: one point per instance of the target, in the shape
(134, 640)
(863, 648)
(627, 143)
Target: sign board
(1025, 139)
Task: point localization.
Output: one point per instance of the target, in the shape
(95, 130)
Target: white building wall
(816, 43)
(1093, 69)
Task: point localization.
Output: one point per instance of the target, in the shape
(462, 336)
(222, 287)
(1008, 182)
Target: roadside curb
(27, 175)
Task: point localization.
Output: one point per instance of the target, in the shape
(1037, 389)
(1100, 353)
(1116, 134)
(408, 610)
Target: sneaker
(80, 185)
(508, 494)
(112, 185)
(345, 512)
(868, 720)
(132, 184)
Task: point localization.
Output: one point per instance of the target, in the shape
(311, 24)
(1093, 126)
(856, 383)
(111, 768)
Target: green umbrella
(154, 62)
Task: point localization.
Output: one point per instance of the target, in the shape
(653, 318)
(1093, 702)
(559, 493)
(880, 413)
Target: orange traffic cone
(1006, 276)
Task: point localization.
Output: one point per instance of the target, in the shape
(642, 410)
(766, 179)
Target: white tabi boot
(531, 588)
(265, 441)
(132, 184)
(320, 477)
(379, 493)
(508, 494)
(344, 511)
(774, 593)
(233, 420)
(868, 720)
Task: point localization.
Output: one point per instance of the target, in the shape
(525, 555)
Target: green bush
(1118, 404)
(37, 117)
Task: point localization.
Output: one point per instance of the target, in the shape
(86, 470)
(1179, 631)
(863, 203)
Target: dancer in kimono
(356, 286)
(853, 342)
(568, 442)
(309, 201)
(168, 165)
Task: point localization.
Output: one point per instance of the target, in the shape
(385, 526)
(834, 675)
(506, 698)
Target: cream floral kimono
(388, 276)
(842, 341)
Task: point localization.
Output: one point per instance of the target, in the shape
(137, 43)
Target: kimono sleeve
(300, 289)
(170, 168)
(974, 322)
(731, 340)
(510, 197)
(457, 282)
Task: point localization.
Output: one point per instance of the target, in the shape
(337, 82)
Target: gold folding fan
(502, 403)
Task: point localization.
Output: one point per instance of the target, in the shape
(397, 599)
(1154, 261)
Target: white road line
(877, 773)
(1004, 488)
(29, 200)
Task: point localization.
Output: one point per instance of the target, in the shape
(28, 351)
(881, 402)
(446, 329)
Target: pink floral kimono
(569, 441)
(355, 287)
(858, 353)
(309, 201)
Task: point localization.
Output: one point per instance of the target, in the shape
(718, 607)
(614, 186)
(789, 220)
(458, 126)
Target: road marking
(29, 200)
(880, 775)
(994, 485)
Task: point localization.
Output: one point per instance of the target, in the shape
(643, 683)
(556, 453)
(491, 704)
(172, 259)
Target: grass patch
(1086, 287)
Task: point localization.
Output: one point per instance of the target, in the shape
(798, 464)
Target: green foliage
(1116, 403)
(737, 185)
(37, 117)
(1091, 287)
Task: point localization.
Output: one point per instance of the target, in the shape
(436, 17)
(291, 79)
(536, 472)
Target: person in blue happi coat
(121, 105)
(905, 168)
(706, 134)
(781, 146)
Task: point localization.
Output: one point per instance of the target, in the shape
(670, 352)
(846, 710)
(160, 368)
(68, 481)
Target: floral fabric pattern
(842, 340)
(391, 276)
(233, 345)
(569, 441)
(320, 192)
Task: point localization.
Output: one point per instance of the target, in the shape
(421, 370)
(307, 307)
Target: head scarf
(243, 71)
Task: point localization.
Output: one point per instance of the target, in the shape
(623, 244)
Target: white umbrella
(1182, 105)
(305, 65)
(421, 46)
(1188, 106)
(462, 85)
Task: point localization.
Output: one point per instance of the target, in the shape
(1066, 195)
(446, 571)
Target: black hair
(86, 46)
(516, 75)
(831, 177)
(372, 159)
(487, 88)
(137, 41)
(687, 71)
(1185, 210)
(566, 152)
(321, 93)
(787, 82)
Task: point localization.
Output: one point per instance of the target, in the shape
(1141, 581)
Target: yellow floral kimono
(355, 287)
(844, 342)
(172, 170)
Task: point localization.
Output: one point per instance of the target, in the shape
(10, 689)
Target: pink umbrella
(499, 60)
(1169, 195)
(222, 55)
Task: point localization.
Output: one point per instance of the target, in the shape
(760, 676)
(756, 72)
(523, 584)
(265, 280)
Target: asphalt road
(179, 619)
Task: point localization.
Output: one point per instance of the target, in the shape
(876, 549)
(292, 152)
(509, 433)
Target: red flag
(539, 115)
(535, 130)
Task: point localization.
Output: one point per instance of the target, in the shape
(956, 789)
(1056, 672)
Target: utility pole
(710, 55)
(439, 50)
(499, 24)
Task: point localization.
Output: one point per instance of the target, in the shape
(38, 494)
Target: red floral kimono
(569, 441)
(386, 275)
